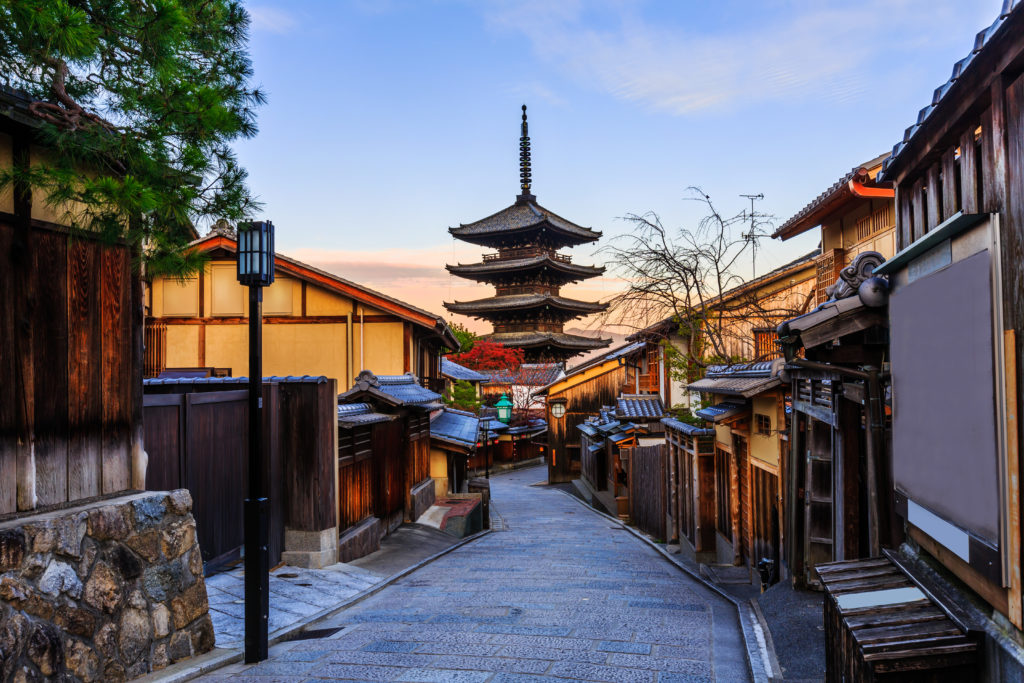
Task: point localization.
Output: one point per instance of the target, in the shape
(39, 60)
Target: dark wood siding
(69, 367)
(647, 484)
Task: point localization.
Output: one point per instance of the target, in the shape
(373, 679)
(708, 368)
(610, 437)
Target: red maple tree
(486, 355)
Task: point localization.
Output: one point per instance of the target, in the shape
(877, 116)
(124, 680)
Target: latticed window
(765, 347)
(763, 424)
(827, 266)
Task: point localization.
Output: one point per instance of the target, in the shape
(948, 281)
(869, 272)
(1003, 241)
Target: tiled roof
(453, 370)
(721, 411)
(558, 339)
(644, 406)
(353, 414)
(455, 426)
(982, 39)
(533, 427)
(528, 374)
(744, 380)
(167, 381)
(492, 424)
(520, 302)
(840, 186)
(686, 428)
(400, 390)
(488, 268)
(522, 216)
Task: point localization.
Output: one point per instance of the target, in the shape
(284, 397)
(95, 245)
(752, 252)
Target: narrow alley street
(556, 592)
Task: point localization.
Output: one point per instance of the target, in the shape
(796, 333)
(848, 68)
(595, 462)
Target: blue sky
(390, 120)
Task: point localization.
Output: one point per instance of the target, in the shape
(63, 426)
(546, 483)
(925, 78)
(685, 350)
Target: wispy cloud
(809, 50)
(272, 19)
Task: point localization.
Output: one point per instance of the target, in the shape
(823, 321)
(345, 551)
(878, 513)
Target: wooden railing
(527, 252)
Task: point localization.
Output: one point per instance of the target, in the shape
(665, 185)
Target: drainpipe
(350, 358)
(362, 338)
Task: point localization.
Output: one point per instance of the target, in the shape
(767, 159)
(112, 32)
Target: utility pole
(753, 235)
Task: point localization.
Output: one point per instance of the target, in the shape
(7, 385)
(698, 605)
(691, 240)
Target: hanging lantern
(256, 253)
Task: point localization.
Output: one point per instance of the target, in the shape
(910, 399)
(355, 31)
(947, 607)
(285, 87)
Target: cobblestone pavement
(560, 593)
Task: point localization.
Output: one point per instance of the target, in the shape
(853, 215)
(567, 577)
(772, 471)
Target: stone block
(70, 532)
(108, 523)
(124, 562)
(34, 565)
(310, 541)
(106, 640)
(148, 512)
(76, 621)
(179, 537)
(12, 549)
(423, 496)
(160, 657)
(161, 618)
(44, 536)
(45, 648)
(161, 581)
(147, 545)
(179, 502)
(80, 660)
(180, 646)
(202, 635)
(103, 589)
(135, 636)
(188, 606)
(60, 577)
(308, 559)
(114, 672)
(360, 540)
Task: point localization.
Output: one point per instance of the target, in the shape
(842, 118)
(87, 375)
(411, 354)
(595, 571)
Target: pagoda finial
(524, 161)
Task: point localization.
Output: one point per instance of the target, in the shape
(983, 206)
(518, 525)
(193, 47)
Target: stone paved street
(560, 593)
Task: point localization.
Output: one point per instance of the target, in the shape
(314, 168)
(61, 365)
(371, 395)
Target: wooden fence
(70, 365)
(197, 438)
(594, 464)
(647, 477)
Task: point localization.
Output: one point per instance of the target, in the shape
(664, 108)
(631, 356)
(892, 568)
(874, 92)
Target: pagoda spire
(525, 171)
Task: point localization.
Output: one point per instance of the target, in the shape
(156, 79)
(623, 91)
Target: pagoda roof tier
(491, 270)
(538, 340)
(520, 222)
(523, 302)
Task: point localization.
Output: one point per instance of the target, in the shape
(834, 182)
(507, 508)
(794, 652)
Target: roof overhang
(744, 387)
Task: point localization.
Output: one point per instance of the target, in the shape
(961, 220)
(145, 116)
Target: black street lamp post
(256, 271)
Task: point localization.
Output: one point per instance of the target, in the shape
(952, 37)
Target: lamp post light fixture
(504, 407)
(256, 271)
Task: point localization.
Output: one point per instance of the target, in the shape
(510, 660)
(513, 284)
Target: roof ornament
(525, 174)
(854, 275)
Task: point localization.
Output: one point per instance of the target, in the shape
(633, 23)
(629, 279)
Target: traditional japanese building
(528, 272)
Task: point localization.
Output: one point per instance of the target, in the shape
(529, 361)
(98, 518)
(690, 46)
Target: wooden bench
(881, 626)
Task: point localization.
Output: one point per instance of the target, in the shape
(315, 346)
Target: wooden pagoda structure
(528, 272)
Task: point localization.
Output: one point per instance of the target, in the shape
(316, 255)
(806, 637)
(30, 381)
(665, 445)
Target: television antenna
(754, 234)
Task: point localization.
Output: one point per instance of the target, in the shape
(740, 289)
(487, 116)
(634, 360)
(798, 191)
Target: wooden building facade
(957, 294)
(582, 393)
(748, 417)
(315, 323)
(70, 346)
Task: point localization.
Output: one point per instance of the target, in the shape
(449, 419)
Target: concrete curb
(220, 657)
(758, 655)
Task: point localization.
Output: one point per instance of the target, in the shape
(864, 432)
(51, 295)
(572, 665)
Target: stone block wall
(107, 591)
(422, 496)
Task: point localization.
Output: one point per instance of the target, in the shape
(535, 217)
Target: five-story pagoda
(527, 310)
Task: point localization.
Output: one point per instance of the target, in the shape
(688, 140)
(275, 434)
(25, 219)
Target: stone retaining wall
(108, 591)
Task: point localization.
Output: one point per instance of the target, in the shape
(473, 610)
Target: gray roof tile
(644, 406)
(455, 426)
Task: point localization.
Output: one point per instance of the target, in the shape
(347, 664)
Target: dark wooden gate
(647, 489)
(199, 441)
(765, 522)
(389, 460)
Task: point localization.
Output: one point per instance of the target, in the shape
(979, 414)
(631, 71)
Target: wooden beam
(968, 172)
(933, 195)
(949, 193)
(993, 148)
(1016, 603)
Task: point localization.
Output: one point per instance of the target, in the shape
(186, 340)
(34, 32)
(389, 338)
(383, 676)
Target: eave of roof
(524, 302)
(523, 216)
(954, 98)
(486, 269)
(828, 201)
(685, 428)
(745, 387)
(304, 271)
(536, 339)
(453, 370)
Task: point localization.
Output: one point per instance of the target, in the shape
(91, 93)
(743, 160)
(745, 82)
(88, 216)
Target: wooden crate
(880, 627)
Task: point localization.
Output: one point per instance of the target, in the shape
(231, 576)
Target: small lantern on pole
(256, 271)
(504, 407)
